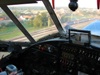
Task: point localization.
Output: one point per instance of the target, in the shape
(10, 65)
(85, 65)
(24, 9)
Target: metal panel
(12, 2)
(94, 27)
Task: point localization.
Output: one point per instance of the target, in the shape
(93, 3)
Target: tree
(50, 21)
(38, 21)
(10, 24)
(64, 19)
(16, 13)
(41, 20)
(30, 22)
(2, 25)
(44, 18)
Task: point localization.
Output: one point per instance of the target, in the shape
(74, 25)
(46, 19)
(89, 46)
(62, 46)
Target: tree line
(40, 20)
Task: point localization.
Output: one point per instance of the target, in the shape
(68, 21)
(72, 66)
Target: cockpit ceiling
(12, 2)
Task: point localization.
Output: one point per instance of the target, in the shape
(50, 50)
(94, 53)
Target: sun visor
(13, 2)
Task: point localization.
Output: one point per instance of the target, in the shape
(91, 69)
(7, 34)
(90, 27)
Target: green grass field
(13, 32)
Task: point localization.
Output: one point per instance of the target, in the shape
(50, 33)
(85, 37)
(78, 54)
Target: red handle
(98, 4)
(53, 4)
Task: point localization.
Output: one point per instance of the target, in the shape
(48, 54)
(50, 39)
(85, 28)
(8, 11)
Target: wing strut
(18, 24)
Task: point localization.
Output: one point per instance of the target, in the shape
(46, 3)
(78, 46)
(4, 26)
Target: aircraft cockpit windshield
(35, 19)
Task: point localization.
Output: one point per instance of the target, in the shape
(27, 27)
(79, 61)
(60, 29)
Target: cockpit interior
(47, 45)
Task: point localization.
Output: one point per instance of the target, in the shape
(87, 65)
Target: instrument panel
(58, 57)
(71, 58)
(76, 57)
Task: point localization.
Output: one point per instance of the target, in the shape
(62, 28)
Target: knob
(98, 58)
(85, 68)
(73, 6)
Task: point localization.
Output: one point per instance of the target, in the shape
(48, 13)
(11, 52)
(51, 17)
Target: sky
(81, 3)
(64, 3)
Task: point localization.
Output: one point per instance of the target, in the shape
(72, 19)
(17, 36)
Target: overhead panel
(12, 2)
